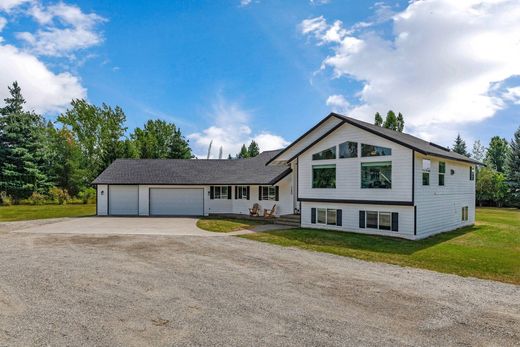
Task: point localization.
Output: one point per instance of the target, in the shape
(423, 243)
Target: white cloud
(43, 90)
(3, 23)
(8, 5)
(65, 29)
(230, 130)
(338, 103)
(513, 95)
(245, 2)
(441, 65)
(319, 2)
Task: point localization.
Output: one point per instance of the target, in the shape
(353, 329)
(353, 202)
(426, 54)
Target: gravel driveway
(138, 290)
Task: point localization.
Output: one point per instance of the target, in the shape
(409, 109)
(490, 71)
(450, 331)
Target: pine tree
(513, 165)
(400, 123)
(378, 120)
(21, 150)
(497, 153)
(253, 150)
(460, 146)
(390, 121)
(244, 153)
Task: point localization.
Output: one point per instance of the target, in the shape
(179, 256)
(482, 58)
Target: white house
(342, 174)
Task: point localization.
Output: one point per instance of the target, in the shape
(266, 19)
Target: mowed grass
(29, 212)
(490, 249)
(225, 225)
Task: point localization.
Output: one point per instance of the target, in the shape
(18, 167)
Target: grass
(28, 212)
(490, 249)
(225, 225)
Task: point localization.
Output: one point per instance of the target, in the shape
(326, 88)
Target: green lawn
(225, 225)
(28, 212)
(489, 250)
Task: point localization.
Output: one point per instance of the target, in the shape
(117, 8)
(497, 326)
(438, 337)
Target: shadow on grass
(372, 243)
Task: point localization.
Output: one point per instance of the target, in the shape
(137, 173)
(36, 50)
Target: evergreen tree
(497, 153)
(390, 121)
(244, 153)
(378, 120)
(479, 151)
(400, 123)
(460, 146)
(21, 150)
(253, 150)
(513, 164)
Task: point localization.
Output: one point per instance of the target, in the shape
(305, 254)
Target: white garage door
(123, 200)
(176, 201)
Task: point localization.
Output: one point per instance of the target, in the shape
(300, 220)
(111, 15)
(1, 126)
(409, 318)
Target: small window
(324, 176)
(267, 193)
(385, 220)
(442, 172)
(220, 192)
(471, 173)
(371, 219)
(241, 192)
(379, 220)
(376, 175)
(329, 153)
(426, 166)
(326, 216)
(374, 151)
(348, 150)
(465, 214)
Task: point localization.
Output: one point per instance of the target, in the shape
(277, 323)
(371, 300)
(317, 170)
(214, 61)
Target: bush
(88, 195)
(61, 196)
(36, 199)
(5, 200)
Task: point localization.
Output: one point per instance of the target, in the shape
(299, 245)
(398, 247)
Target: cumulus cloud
(338, 103)
(65, 29)
(8, 5)
(442, 64)
(230, 130)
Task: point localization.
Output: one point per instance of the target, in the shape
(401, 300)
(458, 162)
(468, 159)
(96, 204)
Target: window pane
(348, 150)
(372, 219)
(322, 216)
(426, 165)
(329, 153)
(441, 179)
(324, 176)
(426, 178)
(442, 167)
(376, 175)
(224, 192)
(374, 151)
(471, 174)
(385, 220)
(265, 193)
(217, 192)
(272, 193)
(331, 216)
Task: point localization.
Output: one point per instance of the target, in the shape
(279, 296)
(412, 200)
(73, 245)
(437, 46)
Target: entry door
(123, 200)
(176, 201)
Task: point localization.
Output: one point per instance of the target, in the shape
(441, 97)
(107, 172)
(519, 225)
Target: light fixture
(102, 192)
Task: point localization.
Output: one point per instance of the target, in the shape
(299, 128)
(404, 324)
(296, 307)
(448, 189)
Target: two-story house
(342, 174)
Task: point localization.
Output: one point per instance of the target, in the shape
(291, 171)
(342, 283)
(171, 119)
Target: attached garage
(176, 201)
(123, 200)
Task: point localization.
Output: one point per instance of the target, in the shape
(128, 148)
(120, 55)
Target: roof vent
(440, 147)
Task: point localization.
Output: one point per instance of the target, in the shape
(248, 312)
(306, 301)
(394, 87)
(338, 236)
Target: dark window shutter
(229, 192)
(211, 192)
(313, 215)
(339, 217)
(236, 193)
(361, 219)
(248, 192)
(395, 221)
(259, 192)
(277, 193)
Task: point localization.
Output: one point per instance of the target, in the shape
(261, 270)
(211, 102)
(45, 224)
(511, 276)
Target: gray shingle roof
(194, 171)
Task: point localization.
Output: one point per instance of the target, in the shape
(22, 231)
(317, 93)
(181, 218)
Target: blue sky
(232, 71)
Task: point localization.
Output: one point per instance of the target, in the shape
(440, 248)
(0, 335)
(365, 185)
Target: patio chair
(255, 210)
(270, 214)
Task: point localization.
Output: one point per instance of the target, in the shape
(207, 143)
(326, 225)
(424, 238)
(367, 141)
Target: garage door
(123, 200)
(176, 201)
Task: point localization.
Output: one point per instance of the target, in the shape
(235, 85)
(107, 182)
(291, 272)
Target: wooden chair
(255, 210)
(270, 214)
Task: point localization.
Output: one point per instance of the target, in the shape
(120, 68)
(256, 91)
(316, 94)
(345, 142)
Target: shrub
(36, 199)
(88, 195)
(61, 196)
(5, 199)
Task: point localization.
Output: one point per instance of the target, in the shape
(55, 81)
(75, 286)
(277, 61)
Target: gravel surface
(143, 290)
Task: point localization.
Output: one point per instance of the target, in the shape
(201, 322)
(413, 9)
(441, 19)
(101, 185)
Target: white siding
(102, 200)
(350, 218)
(348, 170)
(439, 208)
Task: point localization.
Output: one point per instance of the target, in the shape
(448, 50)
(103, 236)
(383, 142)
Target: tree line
(42, 160)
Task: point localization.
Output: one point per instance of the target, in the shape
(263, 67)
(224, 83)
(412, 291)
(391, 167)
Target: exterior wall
(348, 170)
(102, 200)
(350, 218)
(439, 208)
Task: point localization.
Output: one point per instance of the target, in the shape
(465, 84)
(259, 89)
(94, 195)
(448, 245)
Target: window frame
(442, 173)
(426, 172)
(325, 213)
(465, 214)
(389, 224)
(315, 156)
(375, 148)
(347, 146)
(268, 196)
(241, 193)
(374, 164)
(471, 173)
(325, 166)
(221, 195)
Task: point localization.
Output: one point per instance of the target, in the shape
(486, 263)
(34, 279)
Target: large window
(329, 153)
(220, 192)
(442, 172)
(267, 193)
(242, 192)
(376, 175)
(379, 220)
(374, 151)
(348, 150)
(324, 176)
(326, 216)
(426, 172)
